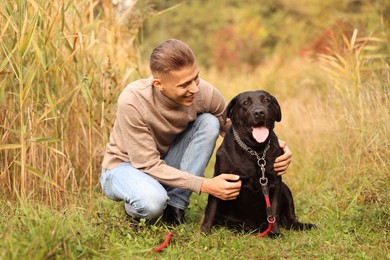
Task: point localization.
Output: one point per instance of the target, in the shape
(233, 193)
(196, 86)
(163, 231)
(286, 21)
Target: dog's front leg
(275, 205)
(209, 215)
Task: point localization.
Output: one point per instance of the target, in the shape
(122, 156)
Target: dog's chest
(250, 171)
(231, 158)
(248, 163)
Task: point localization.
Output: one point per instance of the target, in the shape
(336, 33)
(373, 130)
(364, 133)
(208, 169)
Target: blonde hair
(171, 55)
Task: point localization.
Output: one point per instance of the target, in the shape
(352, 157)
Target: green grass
(104, 231)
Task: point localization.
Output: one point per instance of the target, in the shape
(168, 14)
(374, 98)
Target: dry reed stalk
(53, 55)
(346, 65)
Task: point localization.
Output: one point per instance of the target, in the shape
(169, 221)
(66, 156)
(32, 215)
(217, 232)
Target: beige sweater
(146, 124)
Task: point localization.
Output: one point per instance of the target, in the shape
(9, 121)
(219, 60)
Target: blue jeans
(145, 197)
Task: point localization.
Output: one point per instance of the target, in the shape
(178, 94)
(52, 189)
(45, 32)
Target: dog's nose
(259, 113)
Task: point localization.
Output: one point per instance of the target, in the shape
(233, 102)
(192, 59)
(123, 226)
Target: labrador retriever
(249, 149)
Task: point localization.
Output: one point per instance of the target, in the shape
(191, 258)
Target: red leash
(270, 217)
(164, 244)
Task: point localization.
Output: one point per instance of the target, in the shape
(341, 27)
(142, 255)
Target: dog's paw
(308, 226)
(274, 235)
(205, 229)
(302, 226)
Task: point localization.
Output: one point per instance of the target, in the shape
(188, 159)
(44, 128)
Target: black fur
(248, 211)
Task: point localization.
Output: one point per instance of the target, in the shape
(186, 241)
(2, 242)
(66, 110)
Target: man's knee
(154, 210)
(148, 208)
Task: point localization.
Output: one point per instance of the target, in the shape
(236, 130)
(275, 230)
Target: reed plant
(59, 62)
(359, 75)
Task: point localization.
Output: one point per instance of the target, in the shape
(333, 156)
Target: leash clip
(263, 181)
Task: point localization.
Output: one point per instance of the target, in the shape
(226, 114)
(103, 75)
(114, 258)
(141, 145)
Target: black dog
(249, 145)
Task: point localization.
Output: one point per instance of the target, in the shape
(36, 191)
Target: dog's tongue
(260, 133)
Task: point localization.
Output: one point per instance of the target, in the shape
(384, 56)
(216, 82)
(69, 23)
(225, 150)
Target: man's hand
(282, 162)
(224, 186)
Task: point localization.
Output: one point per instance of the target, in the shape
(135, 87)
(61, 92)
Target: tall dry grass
(360, 80)
(59, 62)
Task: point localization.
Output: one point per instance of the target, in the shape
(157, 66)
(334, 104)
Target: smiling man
(165, 131)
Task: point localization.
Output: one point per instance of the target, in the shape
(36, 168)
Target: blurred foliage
(242, 34)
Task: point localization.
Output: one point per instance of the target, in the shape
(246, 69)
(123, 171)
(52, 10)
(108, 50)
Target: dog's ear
(278, 114)
(229, 109)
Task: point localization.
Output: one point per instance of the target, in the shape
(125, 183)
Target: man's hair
(171, 55)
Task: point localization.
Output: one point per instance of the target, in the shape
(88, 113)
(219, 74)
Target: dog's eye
(245, 103)
(267, 100)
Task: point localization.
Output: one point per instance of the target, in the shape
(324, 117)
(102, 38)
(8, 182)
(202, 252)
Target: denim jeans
(145, 197)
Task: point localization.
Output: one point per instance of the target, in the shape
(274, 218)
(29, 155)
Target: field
(63, 64)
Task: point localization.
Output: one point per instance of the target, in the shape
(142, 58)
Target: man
(163, 137)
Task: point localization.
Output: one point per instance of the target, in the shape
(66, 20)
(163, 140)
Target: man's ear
(157, 83)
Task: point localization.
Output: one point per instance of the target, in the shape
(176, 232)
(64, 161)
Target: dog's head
(253, 113)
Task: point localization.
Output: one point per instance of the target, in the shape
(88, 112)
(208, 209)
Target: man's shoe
(173, 216)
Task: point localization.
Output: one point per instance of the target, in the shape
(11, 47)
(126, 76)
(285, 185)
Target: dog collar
(260, 159)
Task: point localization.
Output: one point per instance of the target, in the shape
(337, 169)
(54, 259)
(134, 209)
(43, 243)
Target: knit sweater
(147, 122)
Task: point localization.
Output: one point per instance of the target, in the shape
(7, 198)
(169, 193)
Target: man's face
(181, 86)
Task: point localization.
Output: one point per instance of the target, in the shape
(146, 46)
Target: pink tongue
(260, 133)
